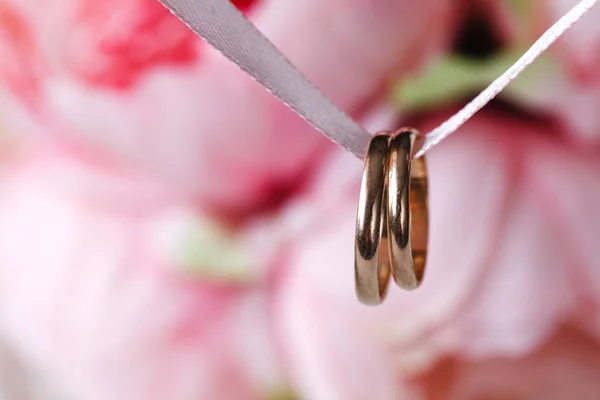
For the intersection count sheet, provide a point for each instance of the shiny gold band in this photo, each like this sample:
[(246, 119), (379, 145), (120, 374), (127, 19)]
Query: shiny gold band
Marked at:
[(371, 271), (393, 200), (407, 210)]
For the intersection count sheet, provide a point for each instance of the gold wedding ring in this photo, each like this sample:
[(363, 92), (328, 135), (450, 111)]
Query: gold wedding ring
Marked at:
[(371, 271), (392, 211), (407, 210)]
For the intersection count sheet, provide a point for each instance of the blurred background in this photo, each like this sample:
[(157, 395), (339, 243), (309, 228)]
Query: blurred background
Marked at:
[(168, 230)]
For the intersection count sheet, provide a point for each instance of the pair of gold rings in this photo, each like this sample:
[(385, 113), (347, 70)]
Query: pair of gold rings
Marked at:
[(392, 213)]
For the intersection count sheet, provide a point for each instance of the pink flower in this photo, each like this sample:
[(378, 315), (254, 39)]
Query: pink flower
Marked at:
[(174, 232), (512, 258), (139, 114), (130, 80), (95, 298)]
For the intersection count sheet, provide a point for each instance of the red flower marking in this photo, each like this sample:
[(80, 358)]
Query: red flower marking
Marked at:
[(244, 5), (114, 41)]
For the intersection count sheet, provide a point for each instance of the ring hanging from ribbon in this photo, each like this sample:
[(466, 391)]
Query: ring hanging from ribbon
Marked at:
[(391, 212)]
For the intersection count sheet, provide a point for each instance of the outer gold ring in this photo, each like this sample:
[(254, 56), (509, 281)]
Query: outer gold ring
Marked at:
[(407, 219), (371, 266)]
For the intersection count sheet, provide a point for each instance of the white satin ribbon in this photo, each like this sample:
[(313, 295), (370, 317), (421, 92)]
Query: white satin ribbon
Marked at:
[(225, 28)]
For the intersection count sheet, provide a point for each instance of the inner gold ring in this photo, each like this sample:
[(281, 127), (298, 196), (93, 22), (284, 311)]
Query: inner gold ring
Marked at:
[(407, 210)]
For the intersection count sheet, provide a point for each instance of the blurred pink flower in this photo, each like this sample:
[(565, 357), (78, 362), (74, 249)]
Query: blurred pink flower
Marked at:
[(142, 107), (119, 281), (130, 80), (93, 293), (512, 257)]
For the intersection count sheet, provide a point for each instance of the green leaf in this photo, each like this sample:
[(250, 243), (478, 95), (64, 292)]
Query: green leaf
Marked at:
[(282, 394), (210, 251), (456, 78), (520, 8)]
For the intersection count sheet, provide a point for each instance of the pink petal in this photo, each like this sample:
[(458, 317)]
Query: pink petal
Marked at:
[(527, 289), (568, 183), (20, 52), (582, 41), (566, 367), (88, 301)]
